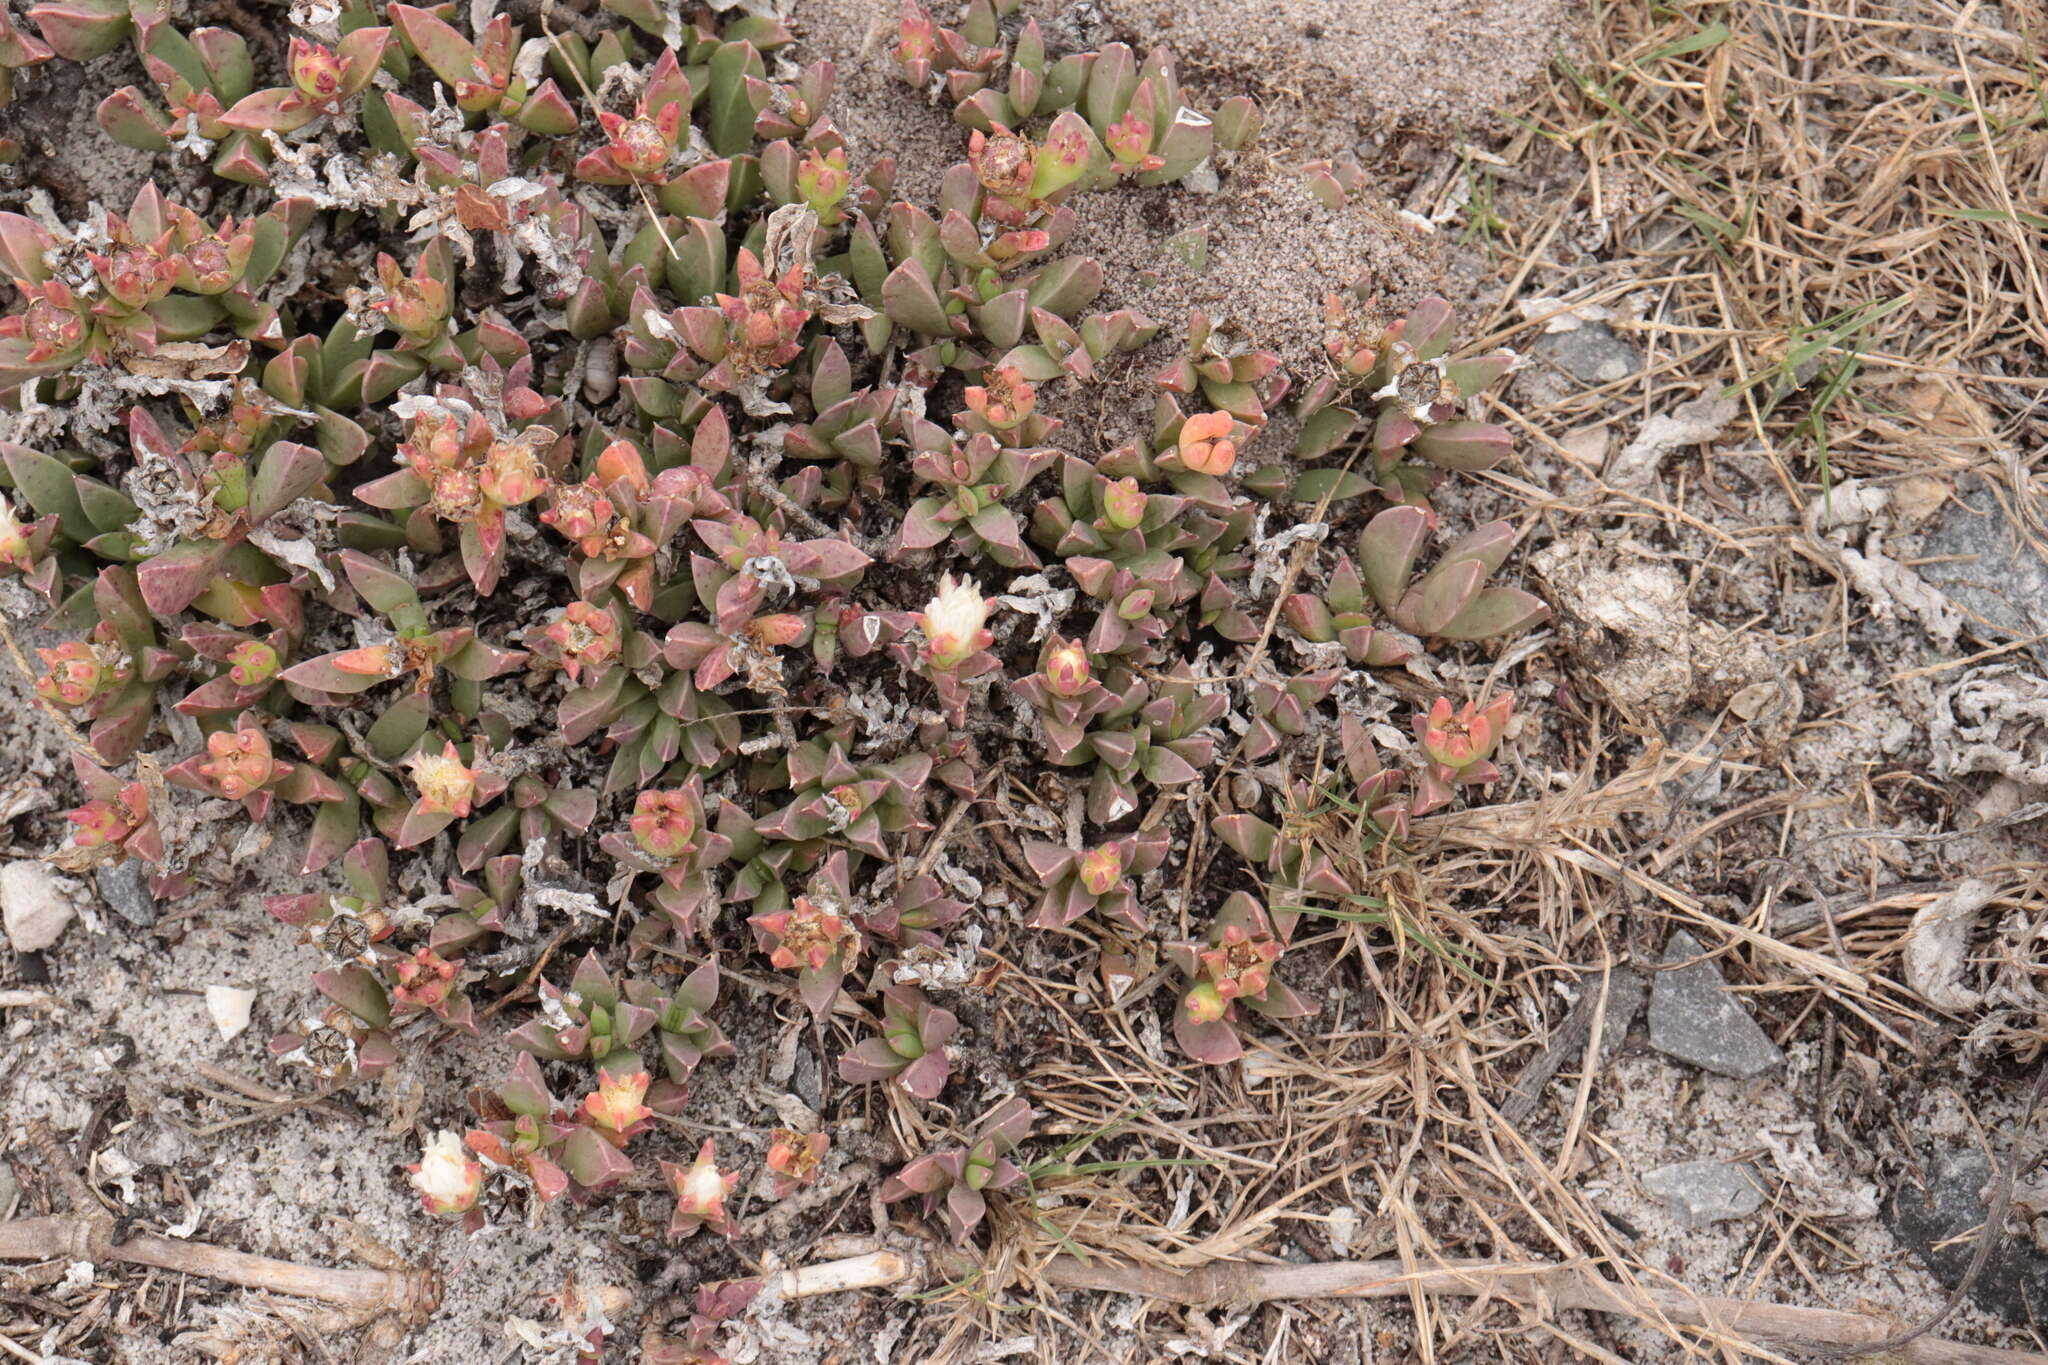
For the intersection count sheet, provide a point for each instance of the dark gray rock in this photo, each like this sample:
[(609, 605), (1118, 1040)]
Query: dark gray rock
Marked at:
[(1939, 1223), (1703, 1192), (804, 1081), (1989, 569), (1696, 1020), (1591, 353), (126, 893)]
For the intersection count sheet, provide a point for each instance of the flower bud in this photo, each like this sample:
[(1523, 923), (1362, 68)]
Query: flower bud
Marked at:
[(637, 146), (51, 330), (663, 823), (1205, 444), (241, 762), (1066, 670), (15, 552), (1203, 1004), (1123, 504), (1137, 605), (73, 674), (511, 475), (448, 1181), (253, 662), (1101, 870), (315, 70)]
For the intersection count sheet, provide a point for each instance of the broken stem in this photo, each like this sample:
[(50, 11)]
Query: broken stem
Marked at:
[(413, 1293)]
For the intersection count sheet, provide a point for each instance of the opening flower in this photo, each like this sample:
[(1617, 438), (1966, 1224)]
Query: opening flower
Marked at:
[(700, 1189), (615, 1105), (954, 622), (446, 787), (448, 1181), (663, 823)]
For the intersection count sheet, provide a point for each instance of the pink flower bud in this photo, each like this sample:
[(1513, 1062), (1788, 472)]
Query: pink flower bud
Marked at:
[(1205, 444), (252, 662), (1066, 670), (241, 762), (663, 823), (1101, 870), (315, 70), (74, 674), (510, 474), (1204, 1005)]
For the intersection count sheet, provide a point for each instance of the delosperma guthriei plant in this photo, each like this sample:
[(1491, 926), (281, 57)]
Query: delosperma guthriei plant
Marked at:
[(687, 535)]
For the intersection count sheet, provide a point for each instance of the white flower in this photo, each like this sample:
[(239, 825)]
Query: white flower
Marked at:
[(953, 623), (448, 1181)]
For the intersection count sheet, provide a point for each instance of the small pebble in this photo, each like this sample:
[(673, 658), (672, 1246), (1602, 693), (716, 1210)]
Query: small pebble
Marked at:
[(33, 905)]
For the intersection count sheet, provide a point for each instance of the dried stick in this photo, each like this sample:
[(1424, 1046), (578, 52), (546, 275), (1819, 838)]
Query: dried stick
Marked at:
[(1539, 1282), (414, 1293), (90, 1237)]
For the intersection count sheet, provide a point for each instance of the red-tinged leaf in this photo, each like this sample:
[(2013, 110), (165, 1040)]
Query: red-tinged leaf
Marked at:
[(1496, 611), (450, 55), (286, 473), (356, 990), (334, 825), (1387, 549), (133, 121), (871, 1060), (1047, 860), (323, 674), (276, 110), (1214, 1043), (1430, 328), (1435, 602), (910, 301), (547, 112), (171, 580), (593, 1162), (477, 661), (698, 192), (306, 785), (360, 50), (396, 491), (416, 826), (385, 589), (1165, 768), (1469, 446), (1252, 838), (575, 808), (926, 1076)]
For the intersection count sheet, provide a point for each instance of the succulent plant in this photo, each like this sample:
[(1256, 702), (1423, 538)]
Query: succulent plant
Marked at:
[(663, 441), (957, 1179), (1231, 972), (911, 1047)]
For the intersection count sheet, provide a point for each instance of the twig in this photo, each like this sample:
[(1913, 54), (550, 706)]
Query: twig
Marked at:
[(90, 1237), (413, 1293), (1553, 1286)]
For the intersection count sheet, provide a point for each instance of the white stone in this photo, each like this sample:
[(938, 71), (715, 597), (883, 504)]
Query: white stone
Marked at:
[(229, 1006), (33, 905)]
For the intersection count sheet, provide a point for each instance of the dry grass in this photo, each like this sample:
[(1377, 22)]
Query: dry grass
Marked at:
[(1835, 210)]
